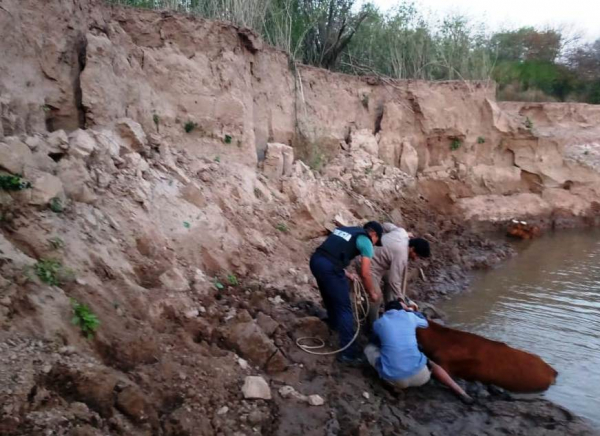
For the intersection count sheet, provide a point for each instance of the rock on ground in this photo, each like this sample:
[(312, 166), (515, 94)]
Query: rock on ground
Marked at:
[(256, 388)]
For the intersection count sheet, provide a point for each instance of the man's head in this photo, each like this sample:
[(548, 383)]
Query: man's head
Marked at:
[(375, 231), (393, 305), (418, 247)]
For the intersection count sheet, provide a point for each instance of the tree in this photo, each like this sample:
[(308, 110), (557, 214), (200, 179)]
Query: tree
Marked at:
[(332, 24), (526, 44)]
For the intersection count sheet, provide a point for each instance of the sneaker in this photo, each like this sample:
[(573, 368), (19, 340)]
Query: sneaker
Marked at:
[(351, 361)]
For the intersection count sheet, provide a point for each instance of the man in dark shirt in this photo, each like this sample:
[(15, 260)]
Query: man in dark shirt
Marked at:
[(328, 265)]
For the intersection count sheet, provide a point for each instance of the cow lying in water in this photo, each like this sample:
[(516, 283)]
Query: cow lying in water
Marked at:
[(475, 358), (522, 230)]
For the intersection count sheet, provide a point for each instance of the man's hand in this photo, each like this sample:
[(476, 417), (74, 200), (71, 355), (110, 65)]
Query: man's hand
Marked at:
[(375, 296), (405, 306), (351, 276)]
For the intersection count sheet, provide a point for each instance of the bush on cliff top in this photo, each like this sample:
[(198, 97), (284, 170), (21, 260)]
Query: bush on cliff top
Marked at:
[(358, 38)]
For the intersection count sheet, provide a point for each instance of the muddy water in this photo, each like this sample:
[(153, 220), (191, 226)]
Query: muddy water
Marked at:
[(546, 300)]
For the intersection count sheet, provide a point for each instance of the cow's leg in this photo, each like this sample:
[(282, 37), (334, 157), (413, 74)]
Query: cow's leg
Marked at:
[(440, 374)]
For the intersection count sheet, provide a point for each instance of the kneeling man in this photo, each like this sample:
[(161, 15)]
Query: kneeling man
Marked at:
[(396, 356)]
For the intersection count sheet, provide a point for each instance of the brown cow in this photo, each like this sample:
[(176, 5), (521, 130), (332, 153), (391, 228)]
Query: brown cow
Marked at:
[(475, 358), (522, 230)]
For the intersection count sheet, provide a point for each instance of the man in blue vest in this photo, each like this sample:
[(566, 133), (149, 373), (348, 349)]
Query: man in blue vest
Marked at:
[(328, 265)]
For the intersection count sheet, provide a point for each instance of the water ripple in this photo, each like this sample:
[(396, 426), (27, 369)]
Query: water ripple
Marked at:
[(545, 301)]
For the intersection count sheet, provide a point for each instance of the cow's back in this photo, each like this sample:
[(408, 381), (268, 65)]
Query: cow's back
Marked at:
[(474, 358)]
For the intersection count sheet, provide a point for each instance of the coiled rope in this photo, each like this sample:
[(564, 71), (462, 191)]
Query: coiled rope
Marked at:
[(360, 311)]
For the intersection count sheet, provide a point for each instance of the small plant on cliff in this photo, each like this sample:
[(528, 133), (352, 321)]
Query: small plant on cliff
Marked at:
[(217, 159), (218, 284), (227, 139), (156, 120), (56, 243), (481, 140), (455, 144), (365, 101), (56, 205), (528, 123), (189, 126), (52, 272), (13, 183), (84, 318), (232, 280), (317, 161), (282, 227)]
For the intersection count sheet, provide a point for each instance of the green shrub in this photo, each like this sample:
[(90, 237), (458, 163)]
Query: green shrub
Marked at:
[(56, 205), (455, 144), (218, 284), (232, 280), (227, 139), (13, 183), (528, 123), (282, 227), (480, 140), (189, 126), (85, 319), (52, 272)]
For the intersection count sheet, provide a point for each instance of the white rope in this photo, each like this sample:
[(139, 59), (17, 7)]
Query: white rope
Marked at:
[(360, 313)]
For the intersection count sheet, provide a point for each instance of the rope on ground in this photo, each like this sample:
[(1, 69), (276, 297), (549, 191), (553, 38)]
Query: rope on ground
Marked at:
[(360, 313)]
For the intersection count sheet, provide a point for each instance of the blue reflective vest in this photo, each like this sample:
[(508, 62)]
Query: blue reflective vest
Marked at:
[(340, 245)]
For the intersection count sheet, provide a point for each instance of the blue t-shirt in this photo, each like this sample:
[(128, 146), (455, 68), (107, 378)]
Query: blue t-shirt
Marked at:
[(400, 356)]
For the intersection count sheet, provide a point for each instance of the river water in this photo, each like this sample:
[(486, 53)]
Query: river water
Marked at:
[(546, 301)]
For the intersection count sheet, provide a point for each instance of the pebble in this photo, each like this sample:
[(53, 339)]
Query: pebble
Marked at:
[(67, 351), (276, 300), (223, 410), (255, 417), (366, 395), (255, 387), (315, 400)]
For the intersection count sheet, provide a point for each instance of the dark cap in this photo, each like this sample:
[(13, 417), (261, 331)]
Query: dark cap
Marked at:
[(376, 227)]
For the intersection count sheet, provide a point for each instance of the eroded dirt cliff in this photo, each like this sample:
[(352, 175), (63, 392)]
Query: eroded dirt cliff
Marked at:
[(167, 193)]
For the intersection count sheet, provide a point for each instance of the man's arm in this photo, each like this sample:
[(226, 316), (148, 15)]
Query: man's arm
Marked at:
[(421, 320), (367, 279), (352, 270)]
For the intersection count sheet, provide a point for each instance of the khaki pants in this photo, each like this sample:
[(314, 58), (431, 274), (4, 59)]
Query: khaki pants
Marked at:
[(419, 379)]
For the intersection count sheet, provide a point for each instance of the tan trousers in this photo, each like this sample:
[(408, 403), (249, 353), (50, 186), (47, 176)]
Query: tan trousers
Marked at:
[(419, 379)]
